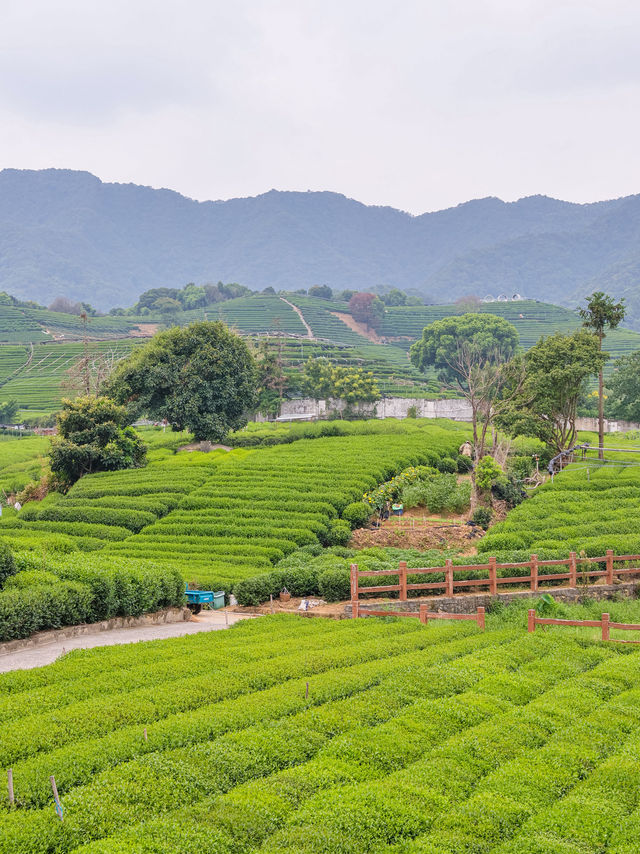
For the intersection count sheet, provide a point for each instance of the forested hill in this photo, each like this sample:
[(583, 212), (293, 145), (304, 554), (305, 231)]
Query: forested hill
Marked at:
[(67, 233)]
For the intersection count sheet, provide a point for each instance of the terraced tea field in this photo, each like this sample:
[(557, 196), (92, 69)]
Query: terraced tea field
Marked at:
[(221, 517), (36, 376), (531, 319), (312, 736), (590, 506)]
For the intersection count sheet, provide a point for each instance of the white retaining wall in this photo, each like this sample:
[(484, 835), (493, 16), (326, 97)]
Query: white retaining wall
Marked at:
[(389, 407)]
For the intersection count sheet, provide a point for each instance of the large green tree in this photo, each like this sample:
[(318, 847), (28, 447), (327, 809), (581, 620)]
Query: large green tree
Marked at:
[(201, 378), (93, 435), (601, 313), (478, 353), (557, 370), (624, 387)]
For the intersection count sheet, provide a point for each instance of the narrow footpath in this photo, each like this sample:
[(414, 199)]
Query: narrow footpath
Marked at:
[(207, 621), (301, 316)]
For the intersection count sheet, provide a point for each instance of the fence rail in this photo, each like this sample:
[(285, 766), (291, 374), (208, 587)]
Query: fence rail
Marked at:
[(424, 615), (492, 580), (604, 624)]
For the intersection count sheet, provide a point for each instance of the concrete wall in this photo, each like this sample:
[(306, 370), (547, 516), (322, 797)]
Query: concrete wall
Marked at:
[(390, 407), (609, 426)]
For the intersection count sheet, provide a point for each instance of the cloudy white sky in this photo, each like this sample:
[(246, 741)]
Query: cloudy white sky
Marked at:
[(419, 104)]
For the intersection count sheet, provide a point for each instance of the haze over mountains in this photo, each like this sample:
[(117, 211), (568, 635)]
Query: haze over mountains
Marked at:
[(64, 232)]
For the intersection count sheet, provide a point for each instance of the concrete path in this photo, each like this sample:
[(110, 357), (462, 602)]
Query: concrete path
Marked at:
[(207, 621)]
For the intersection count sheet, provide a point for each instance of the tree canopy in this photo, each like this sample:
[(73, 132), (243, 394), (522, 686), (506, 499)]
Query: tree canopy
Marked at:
[(477, 352), (323, 380), (556, 372), (93, 435), (624, 387), (201, 377), (367, 309)]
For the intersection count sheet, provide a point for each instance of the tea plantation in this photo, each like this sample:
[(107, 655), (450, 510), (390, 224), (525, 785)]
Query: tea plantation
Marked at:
[(590, 506), (223, 516), (291, 735)]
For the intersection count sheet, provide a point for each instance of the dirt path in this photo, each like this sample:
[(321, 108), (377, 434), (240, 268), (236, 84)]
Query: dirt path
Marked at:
[(310, 334), (207, 621), (360, 328)]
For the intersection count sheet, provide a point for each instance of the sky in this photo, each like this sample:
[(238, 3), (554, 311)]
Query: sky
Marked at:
[(419, 104)]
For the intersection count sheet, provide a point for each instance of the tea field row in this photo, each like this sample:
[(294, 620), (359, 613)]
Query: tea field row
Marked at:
[(314, 736)]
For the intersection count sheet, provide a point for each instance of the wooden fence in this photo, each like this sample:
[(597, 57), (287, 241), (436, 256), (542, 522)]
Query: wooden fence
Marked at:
[(424, 615), (492, 580), (604, 624)]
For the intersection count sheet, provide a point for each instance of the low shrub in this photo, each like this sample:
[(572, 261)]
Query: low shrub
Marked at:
[(464, 464), (482, 516), (338, 533), (334, 585), (7, 563), (47, 606), (30, 577), (357, 514), (447, 466)]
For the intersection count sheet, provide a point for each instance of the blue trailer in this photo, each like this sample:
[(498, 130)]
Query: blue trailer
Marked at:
[(197, 598)]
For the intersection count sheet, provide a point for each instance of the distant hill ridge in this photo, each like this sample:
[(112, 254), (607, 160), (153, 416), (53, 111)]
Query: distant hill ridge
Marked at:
[(65, 232)]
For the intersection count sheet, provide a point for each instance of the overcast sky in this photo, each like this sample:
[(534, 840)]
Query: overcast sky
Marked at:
[(419, 104)]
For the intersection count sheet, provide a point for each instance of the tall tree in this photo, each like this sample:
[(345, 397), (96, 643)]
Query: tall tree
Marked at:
[(475, 352), (557, 369), (201, 377), (601, 313)]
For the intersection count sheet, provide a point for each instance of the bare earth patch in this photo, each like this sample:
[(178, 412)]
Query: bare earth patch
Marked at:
[(360, 328)]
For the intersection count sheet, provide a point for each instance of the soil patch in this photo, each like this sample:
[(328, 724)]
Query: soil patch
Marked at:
[(144, 330), (360, 328), (328, 609)]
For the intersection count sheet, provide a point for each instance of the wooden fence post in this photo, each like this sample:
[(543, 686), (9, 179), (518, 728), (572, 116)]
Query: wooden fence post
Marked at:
[(56, 799), (480, 617), (609, 575), (402, 573), (493, 578), (573, 570), (10, 785), (354, 590), (423, 614), (531, 624), (534, 572), (449, 576), (605, 627)]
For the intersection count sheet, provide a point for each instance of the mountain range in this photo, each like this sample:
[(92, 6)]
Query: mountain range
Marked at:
[(66, 233)]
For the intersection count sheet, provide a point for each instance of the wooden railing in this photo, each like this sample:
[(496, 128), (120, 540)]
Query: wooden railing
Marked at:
[(424, 615), (604, 624), (492, 580)]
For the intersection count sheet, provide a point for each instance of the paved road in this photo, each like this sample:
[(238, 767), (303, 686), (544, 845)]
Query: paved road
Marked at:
[(207, 621)]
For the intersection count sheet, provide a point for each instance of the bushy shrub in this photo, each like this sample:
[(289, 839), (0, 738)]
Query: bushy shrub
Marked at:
[(48, 606), (357, 514), (339, 533), (7, 563), (447, 466), (334, 585), (29, 578), (521, 467), (487, 471), (464, 463), (482, 516), (506, 489)]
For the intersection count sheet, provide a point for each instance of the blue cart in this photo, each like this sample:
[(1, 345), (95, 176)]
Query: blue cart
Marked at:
[(197, 598)]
